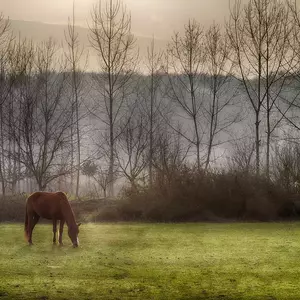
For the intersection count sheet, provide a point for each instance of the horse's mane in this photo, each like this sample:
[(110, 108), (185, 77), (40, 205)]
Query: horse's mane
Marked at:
[(68, 209)]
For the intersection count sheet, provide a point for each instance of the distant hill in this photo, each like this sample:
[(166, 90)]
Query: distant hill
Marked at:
[(38, 32)]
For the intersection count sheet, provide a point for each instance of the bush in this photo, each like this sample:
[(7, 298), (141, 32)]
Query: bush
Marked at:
[(187, 195), (193, 196), (12, 208)]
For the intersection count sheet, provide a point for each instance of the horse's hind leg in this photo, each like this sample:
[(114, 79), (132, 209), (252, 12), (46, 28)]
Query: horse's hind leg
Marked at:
[(61, 229), (54, 231)]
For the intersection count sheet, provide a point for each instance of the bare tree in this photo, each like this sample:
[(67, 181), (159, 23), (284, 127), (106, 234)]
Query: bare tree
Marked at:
[(259, 34), (101, 177), (110, 36), (291, 100), (185, 63), (5, 87), (152, 104), (242, 156), (132, 146), (74, 55), (286, 165), (220, 108), (171, 154), (99, 173), (43, 133), (19, 59)]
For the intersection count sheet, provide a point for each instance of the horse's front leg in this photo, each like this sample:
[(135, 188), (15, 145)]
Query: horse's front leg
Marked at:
[(54, 231), (30, 228), (61, 229), (32, 221)]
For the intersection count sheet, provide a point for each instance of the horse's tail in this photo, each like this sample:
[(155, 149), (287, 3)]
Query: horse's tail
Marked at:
[(26, 224)]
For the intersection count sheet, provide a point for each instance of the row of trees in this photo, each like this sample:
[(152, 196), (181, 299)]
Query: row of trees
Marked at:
[(210, 88)]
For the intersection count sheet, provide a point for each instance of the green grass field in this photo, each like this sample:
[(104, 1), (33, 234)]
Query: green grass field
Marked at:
[(153, 261)]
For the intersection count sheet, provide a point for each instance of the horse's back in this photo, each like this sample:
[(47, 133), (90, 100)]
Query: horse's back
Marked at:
[(47, 205)]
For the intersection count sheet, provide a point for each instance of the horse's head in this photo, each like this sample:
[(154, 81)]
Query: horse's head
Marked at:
[(73, 234)]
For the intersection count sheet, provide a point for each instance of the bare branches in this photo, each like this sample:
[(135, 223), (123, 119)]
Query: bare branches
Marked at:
[(132, 145), (260, 34), (152, 100), (44, 117), (74, 55), (220, 108), (111, 38), (186, 56)]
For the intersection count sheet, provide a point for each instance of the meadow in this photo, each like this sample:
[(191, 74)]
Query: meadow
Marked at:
[(153, 261)]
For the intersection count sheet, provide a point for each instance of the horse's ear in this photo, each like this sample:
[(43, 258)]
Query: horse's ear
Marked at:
[(78, 224)]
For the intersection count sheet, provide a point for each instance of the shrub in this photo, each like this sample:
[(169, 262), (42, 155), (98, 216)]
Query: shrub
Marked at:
[(12, 208), (192, 196)]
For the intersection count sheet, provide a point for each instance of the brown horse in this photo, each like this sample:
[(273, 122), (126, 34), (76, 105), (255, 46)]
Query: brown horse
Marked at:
[(51, 206)]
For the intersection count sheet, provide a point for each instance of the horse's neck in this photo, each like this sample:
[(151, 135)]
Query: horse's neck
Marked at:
[(69, 215)]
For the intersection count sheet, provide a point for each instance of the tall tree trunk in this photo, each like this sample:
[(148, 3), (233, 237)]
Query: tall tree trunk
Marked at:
[(257, 144), (72, 156), (212, 125), (111, 163), (112, 39), (78, 153), (197, 143), (151, 132), (2, 167)]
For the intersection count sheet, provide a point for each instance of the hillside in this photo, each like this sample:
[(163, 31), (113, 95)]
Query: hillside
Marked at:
[(39, 32)]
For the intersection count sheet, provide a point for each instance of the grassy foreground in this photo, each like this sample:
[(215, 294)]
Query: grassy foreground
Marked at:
[(153, 261)]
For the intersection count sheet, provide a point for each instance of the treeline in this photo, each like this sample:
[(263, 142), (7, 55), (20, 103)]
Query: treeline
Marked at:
[(216, 109)]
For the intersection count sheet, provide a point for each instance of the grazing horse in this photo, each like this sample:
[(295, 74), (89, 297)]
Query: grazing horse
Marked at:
[(51, 206)]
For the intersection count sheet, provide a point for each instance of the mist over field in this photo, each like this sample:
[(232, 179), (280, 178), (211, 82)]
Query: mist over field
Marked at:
[(114, 101), (149, 149)]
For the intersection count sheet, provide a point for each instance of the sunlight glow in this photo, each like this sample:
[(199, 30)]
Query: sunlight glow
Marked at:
[(149, 17)]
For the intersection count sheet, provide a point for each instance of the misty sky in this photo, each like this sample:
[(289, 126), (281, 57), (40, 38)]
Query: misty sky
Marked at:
[(158, 17)]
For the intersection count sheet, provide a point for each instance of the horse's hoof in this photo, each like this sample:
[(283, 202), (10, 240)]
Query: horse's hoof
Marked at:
[(30, 244), (61, 244)]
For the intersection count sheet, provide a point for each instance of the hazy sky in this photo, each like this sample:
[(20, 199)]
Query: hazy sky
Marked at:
[(159, 17)]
